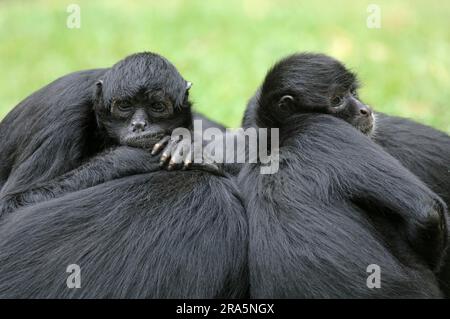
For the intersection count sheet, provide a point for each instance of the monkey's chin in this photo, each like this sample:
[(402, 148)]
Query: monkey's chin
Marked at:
[(143, 140), (365, 125), (366, 129)]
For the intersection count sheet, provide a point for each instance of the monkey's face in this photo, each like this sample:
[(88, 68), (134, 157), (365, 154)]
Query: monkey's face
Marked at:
[(141, 99), (143, 119), (343, 103), (347, 106)]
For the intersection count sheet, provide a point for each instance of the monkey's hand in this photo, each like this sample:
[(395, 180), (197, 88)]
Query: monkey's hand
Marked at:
[(179, 153), (430, 235)]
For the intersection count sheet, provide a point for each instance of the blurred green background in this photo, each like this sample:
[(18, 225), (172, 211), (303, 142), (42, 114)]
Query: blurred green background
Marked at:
[(225, 47)]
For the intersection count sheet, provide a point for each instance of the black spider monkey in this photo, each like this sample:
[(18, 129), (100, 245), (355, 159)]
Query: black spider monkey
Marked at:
[(136, 231), (423, 150), (339, 202), (138, 102)]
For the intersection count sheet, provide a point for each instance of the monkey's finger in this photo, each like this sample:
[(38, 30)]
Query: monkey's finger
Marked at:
[(179, 153), (188, 160), (158, 146), (167, 153)]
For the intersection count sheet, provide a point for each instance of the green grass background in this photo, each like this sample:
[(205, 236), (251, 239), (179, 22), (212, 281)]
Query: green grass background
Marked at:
[(225, 47)]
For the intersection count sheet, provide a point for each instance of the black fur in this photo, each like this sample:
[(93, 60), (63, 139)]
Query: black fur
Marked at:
[(50, 132), (67, 122), (338, 203), (421, 149), (425, 152), (311, 78), (153, 235), (208, 123), (135, 231), (313, 83)]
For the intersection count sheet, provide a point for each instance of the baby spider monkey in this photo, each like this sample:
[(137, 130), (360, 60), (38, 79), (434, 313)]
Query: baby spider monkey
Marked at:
[(314, 83), (104, 118)]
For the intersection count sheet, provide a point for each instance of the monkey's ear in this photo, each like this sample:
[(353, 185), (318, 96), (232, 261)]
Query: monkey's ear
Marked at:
[(188, 85), (285, 100), (98, 88)]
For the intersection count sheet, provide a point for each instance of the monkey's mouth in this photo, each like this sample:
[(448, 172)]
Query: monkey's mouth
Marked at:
[(143, 140), (366, 129), (366, 126)]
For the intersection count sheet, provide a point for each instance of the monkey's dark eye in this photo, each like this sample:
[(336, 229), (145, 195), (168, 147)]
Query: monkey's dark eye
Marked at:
[(123, 107), (337, 101), (158, 107)]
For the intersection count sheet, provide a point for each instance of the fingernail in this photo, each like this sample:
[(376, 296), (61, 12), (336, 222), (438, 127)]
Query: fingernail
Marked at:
[(155, 148)]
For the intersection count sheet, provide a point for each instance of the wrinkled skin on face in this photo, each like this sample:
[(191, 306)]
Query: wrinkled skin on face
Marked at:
[(142, 99), (314, 83)]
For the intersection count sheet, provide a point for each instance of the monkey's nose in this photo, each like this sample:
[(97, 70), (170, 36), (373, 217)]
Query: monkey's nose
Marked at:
[(138, 126), (365, 110)]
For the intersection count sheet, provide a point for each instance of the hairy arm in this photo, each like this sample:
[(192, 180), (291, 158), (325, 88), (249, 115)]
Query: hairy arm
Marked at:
[(47, 134), (364, 173), (113, 164)]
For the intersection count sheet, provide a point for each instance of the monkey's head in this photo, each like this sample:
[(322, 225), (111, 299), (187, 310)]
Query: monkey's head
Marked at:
[(140, 99), (314, 83)]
